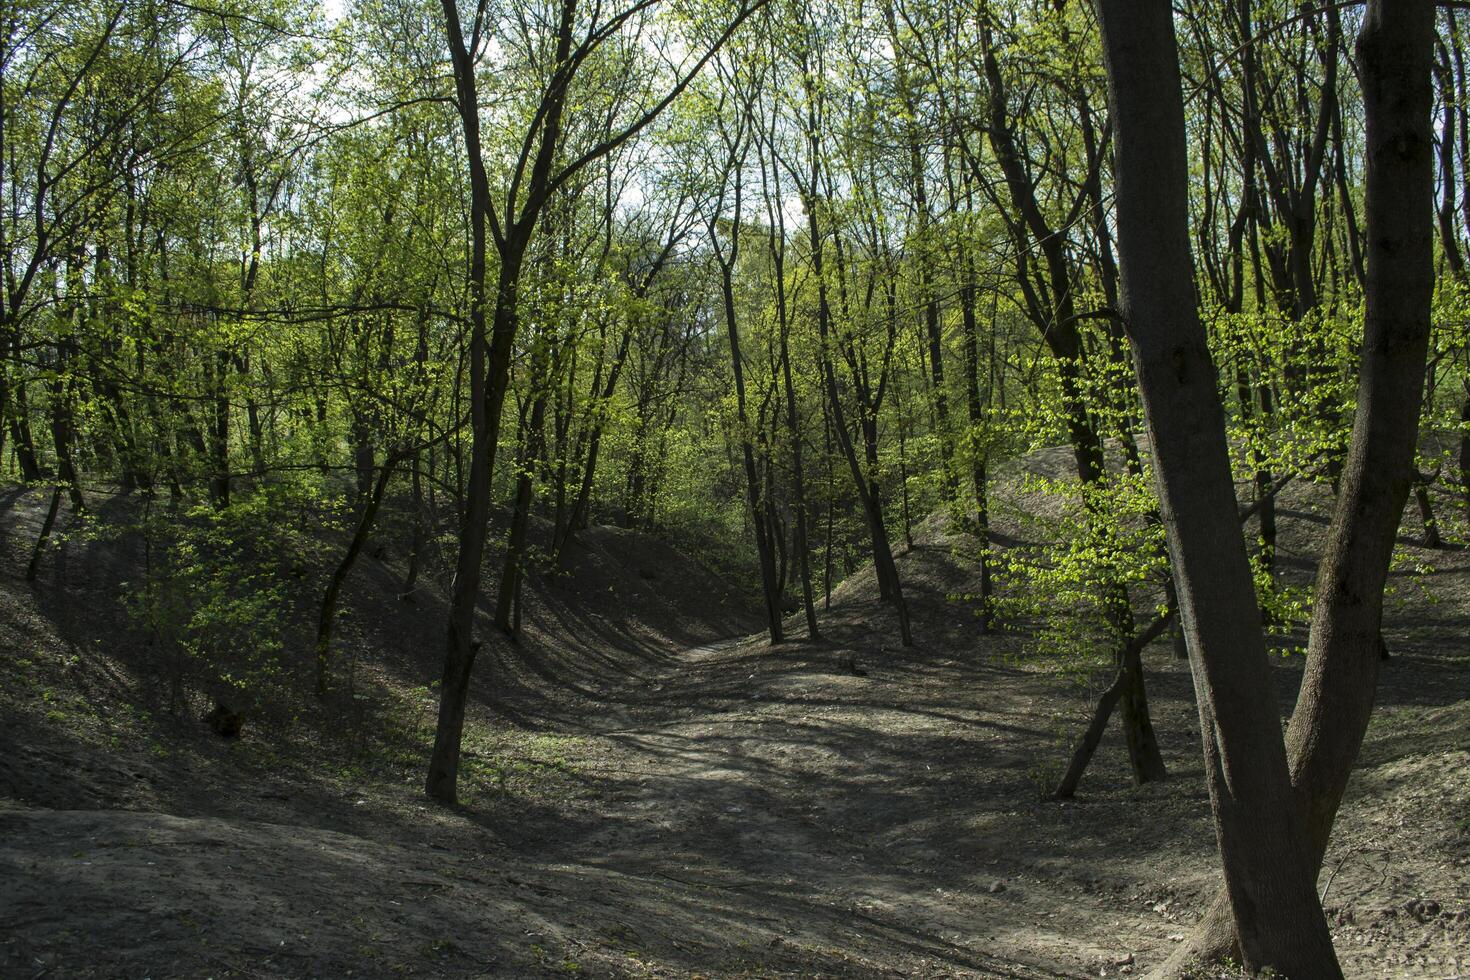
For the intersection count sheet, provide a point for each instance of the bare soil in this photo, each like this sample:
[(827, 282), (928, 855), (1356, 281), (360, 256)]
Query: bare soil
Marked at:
[(652, 791)]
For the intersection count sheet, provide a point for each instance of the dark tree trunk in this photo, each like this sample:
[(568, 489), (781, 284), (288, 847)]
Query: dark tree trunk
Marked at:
[(364, 461), (1345, 648), (61, 433), (24, 442), (34, 566), (1426, 514), (1131, 665), (1267, 871), (219, 429), (327, 618), (507, 600)]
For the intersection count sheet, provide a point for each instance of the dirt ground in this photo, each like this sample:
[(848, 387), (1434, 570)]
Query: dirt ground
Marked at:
[(650, 791)]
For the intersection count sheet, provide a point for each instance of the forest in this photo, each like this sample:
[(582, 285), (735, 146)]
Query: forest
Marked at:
[(735, 488)]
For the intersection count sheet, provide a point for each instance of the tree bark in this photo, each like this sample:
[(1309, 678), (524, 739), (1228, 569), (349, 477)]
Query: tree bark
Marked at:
[(33, 568), (328, 615), (1262, 848), (512, 574), (1344, 651), (442, 780)]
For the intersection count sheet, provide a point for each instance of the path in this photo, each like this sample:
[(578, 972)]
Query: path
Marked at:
[(743, 812)]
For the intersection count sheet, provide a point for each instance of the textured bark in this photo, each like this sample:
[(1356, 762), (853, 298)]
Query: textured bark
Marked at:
[(442, 780), (1394, 50), (1262, 848), (1345, 650)]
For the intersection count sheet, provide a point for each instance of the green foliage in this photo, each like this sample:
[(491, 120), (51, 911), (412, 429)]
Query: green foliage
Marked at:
[(1084, 545), (215, 596)]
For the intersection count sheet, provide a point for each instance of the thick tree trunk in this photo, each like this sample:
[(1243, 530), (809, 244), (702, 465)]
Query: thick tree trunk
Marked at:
[(1345, 648), (1267, 871), (1336, 699)]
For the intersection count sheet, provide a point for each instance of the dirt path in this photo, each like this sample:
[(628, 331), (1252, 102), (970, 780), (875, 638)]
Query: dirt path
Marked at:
[(746, 812), (840, 809), (741, 812)]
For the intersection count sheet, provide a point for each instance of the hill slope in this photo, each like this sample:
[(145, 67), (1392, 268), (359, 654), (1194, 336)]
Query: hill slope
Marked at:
[(646, 799)]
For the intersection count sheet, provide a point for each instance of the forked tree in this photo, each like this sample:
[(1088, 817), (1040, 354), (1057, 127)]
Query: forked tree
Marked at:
[(1272, 821)]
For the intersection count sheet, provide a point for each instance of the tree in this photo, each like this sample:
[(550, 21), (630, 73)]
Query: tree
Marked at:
[(1278, 919), (1395, 48), (540, 167)]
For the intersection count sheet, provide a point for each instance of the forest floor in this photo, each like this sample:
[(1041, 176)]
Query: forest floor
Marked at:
[(652, 791)]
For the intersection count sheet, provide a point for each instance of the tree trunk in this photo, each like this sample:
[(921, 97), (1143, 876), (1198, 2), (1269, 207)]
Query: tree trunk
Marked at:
[(442, 780), (890, 589), (1131, 664), (487, 393), (507, 600), (1345, 649), (24, 442), (976, 409), (219, 429), (763, 532), (61, 433), (34, 566), (328, 615), (798, 483), (416, 539), (1426, 514), (1267, 871)]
